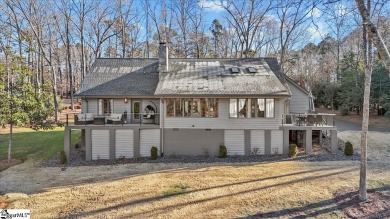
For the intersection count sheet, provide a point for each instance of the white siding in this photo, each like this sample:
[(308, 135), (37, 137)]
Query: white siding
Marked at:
[(299, 102), (234, 142), (223, 121), (277, 141), (90, 106), (148, 139), (83, 106), (258, 141), (120, 106), (124, 144), (100, 144)]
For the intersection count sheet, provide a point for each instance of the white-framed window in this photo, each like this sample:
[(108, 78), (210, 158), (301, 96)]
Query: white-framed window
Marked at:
[(192, 107), (105, 106), (252, 108)]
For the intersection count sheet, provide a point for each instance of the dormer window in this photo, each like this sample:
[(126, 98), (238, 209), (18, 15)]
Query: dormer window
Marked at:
[(235, 70), (252, 70)]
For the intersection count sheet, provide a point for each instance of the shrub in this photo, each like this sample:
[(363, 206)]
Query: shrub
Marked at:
[(153, 153), (222, 151), (63, 159), (348, 149), (292, 150), (344, 110)]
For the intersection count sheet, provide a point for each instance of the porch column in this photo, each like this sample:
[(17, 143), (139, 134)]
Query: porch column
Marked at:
[(333, 141), (82, 143), (320, 137), (88, 145), (67, 141), (309, 141), (286, 140)]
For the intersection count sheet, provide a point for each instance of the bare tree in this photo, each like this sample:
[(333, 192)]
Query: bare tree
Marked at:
[(292, 14), (370, 35), (246, 18)]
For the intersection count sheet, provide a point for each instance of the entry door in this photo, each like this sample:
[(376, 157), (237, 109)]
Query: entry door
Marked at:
[(135, 111)]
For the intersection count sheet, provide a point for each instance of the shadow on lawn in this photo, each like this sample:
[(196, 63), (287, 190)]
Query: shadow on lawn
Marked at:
[(322, 207), (168, 208)]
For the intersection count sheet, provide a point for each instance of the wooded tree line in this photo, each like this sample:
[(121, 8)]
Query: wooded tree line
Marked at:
[(58, 40)]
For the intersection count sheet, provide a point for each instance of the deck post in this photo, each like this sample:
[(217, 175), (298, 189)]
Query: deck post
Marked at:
[(309, 141), (286, 140), (67, 141), (333, 141), (88, 145)]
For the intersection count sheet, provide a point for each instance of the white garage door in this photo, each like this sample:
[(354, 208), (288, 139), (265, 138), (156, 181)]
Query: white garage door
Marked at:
[(234, 142), (257, 142), (276, 142), (100, 144), (148, 139), (124, 144)]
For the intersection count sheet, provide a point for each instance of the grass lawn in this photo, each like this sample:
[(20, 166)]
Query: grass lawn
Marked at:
[(34, 145), (284, 189)]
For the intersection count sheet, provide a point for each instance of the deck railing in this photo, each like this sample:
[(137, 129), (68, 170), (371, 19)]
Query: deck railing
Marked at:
[(128, 118), (310, 119)]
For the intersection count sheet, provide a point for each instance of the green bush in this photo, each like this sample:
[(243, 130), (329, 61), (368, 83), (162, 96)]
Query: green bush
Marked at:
[(292, 150), (344, 110), (63, 159), (153, 153), (222, 151), (348, 149)]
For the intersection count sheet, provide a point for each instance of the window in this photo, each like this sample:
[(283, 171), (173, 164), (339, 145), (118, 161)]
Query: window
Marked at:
[(233, 108), (251, 108), (105, 106), (205, 107), (261, 107), (178, 107), (187, 107), (196, 109), (213, 107), (170, 107), (242, 108), (192, 107), (269, 108)]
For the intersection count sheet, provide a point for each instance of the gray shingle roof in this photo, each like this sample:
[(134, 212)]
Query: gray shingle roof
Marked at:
[(118, 77), (213, 77), (140, 77)]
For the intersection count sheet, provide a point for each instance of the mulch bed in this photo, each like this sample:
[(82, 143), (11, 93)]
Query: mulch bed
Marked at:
[(4, 164), (377, 205)]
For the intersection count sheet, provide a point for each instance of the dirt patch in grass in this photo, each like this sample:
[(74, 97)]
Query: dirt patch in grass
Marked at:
[(377, 205), (4, 164)]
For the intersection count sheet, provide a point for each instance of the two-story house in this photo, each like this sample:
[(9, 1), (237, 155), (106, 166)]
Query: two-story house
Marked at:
[(191, 107)]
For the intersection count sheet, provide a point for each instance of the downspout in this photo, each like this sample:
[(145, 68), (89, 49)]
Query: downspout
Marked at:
[(162, 125)]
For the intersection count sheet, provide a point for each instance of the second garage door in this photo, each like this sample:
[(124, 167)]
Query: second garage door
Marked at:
[(124, 144), (234, 142), (100, 144)]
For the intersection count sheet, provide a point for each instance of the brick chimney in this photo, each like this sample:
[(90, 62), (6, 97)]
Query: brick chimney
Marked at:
[(163, 54)]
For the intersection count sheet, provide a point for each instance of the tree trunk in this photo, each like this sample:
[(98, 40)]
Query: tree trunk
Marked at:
[(372, 31), (10, 141), (367, 43)]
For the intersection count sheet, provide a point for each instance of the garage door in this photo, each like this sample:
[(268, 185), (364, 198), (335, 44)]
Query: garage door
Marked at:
[(124, 144), (276, 142), (257, 142), (234, 142), (100, 144), (148, 139)]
